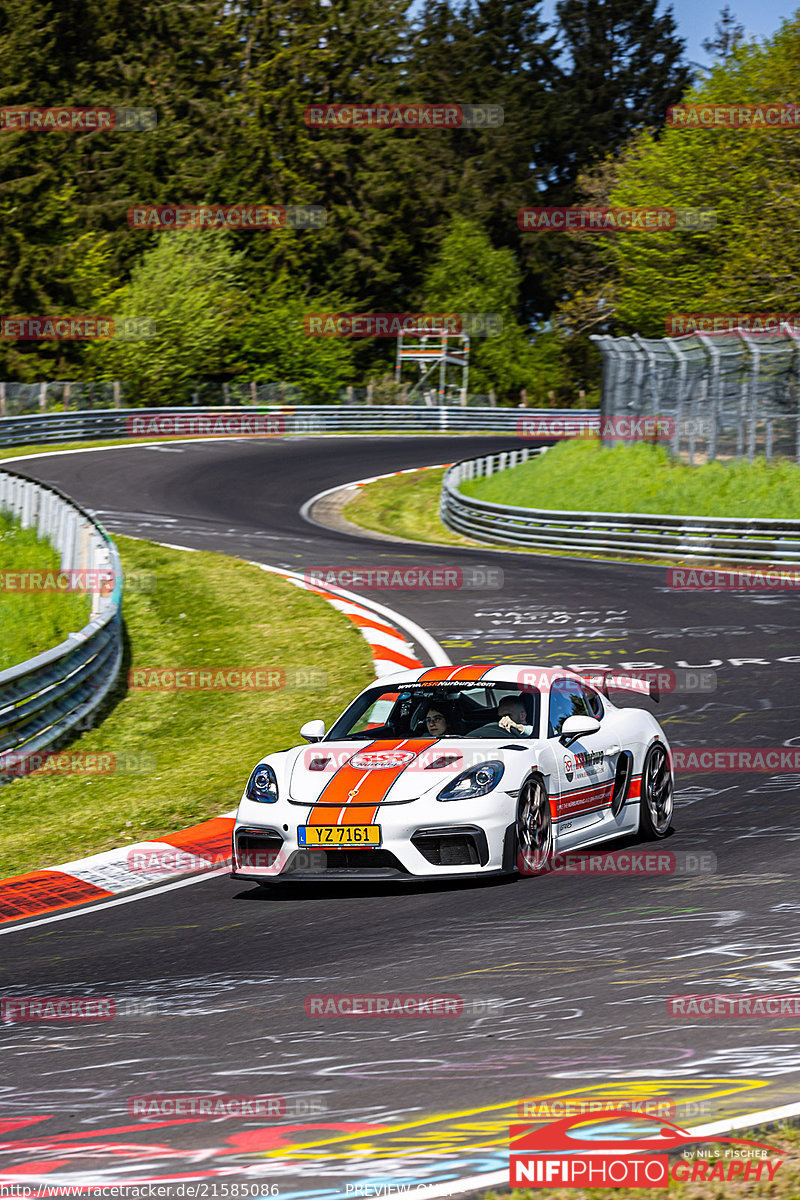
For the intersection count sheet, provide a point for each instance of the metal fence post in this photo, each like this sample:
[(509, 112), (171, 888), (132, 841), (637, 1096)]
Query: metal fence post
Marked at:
[(712, 393), (752, 398), (682, 365)]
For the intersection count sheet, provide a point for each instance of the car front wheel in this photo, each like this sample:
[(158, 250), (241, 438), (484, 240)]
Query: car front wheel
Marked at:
[(534, 828)]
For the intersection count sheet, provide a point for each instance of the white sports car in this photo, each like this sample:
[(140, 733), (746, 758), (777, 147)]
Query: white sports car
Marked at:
[(457, 771)]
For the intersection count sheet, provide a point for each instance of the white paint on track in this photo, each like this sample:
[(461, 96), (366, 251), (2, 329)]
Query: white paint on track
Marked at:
[(305, 511), (93, 907), (424, 640)]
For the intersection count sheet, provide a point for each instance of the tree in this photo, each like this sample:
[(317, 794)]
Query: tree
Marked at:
[(728, 35), (470, 276), (750, 179), (188, 286), (61, 187), (274, 345), (624, 68)]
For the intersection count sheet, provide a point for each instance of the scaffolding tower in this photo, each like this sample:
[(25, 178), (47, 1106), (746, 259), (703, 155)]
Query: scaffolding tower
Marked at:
[(431, 349)]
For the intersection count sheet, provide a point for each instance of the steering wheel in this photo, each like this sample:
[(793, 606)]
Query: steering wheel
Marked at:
[(491, 726)]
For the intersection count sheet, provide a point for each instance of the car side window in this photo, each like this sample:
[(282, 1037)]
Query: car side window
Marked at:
[(594, 703), (566, 700)]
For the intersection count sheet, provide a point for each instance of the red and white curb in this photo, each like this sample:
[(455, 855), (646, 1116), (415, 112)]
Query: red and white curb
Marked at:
[(203, 848), (377, 624)]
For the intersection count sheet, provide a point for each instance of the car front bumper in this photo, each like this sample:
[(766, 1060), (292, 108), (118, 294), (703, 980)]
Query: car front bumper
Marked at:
[(417, 842)]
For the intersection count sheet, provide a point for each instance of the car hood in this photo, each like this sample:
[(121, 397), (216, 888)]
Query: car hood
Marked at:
[(368, 774)]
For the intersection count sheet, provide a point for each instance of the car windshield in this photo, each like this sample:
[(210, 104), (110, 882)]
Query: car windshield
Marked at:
[(435, 711)]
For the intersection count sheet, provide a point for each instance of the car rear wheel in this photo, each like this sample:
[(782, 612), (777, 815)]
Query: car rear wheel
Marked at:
[(534, 828), (657, 802)]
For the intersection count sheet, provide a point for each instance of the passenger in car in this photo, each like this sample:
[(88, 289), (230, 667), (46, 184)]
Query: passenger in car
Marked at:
[(439, 721)]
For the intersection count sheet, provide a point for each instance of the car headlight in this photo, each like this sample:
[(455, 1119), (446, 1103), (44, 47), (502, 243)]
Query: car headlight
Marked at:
[(475, 781), (262, 785)]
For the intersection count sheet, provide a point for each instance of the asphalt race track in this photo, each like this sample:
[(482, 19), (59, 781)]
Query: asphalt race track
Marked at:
[(579, 968)]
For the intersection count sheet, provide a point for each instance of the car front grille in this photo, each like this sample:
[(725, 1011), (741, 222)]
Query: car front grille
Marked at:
[(452, 847)]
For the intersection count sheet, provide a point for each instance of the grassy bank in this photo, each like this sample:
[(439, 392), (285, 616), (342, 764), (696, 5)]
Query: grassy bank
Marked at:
[(583, 476), (32, 622), (187, 754), (405, 505)]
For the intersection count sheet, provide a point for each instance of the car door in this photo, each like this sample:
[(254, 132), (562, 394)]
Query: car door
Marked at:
[(586, 768)]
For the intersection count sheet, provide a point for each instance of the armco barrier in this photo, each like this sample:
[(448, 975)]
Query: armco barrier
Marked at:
[(641, 535), (45, 697), (308, 419)]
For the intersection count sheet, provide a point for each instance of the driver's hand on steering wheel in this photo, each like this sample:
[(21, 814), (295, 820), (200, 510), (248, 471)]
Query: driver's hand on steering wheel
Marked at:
[(507, 724)]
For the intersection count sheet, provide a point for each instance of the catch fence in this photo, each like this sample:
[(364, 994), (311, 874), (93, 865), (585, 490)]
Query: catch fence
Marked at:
[(721, 397)]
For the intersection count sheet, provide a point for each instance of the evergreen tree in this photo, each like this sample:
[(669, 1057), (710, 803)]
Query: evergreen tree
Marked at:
[(728, 34), (623, 68)]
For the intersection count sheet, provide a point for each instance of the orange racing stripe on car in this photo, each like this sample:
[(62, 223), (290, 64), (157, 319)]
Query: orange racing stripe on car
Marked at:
[(362, 786)]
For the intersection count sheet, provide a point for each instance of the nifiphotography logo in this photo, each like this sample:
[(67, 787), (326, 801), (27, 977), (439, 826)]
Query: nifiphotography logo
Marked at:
[(576, 1152)]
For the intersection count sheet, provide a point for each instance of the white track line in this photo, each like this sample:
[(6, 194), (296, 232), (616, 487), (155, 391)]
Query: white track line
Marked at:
[(305, 511), (435, 652), (86, 910)]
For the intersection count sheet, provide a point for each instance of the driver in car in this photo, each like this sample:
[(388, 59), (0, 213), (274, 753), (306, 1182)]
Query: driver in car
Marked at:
[(511, 717)]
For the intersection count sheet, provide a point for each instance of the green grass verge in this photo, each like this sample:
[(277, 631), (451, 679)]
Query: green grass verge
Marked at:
[(586, 477), (32, 622), (405, 505), (195, 748), (785, 1185)]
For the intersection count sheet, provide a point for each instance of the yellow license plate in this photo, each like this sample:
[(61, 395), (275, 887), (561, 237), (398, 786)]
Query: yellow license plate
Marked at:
[(339, 835)]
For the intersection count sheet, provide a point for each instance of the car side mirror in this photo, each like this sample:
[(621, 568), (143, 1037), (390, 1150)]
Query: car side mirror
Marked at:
[(575, 727), (313, 731)]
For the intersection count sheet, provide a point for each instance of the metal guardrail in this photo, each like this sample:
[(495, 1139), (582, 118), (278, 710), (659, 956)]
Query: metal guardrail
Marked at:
[(97, 424), (45, 697), (643, 535)]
